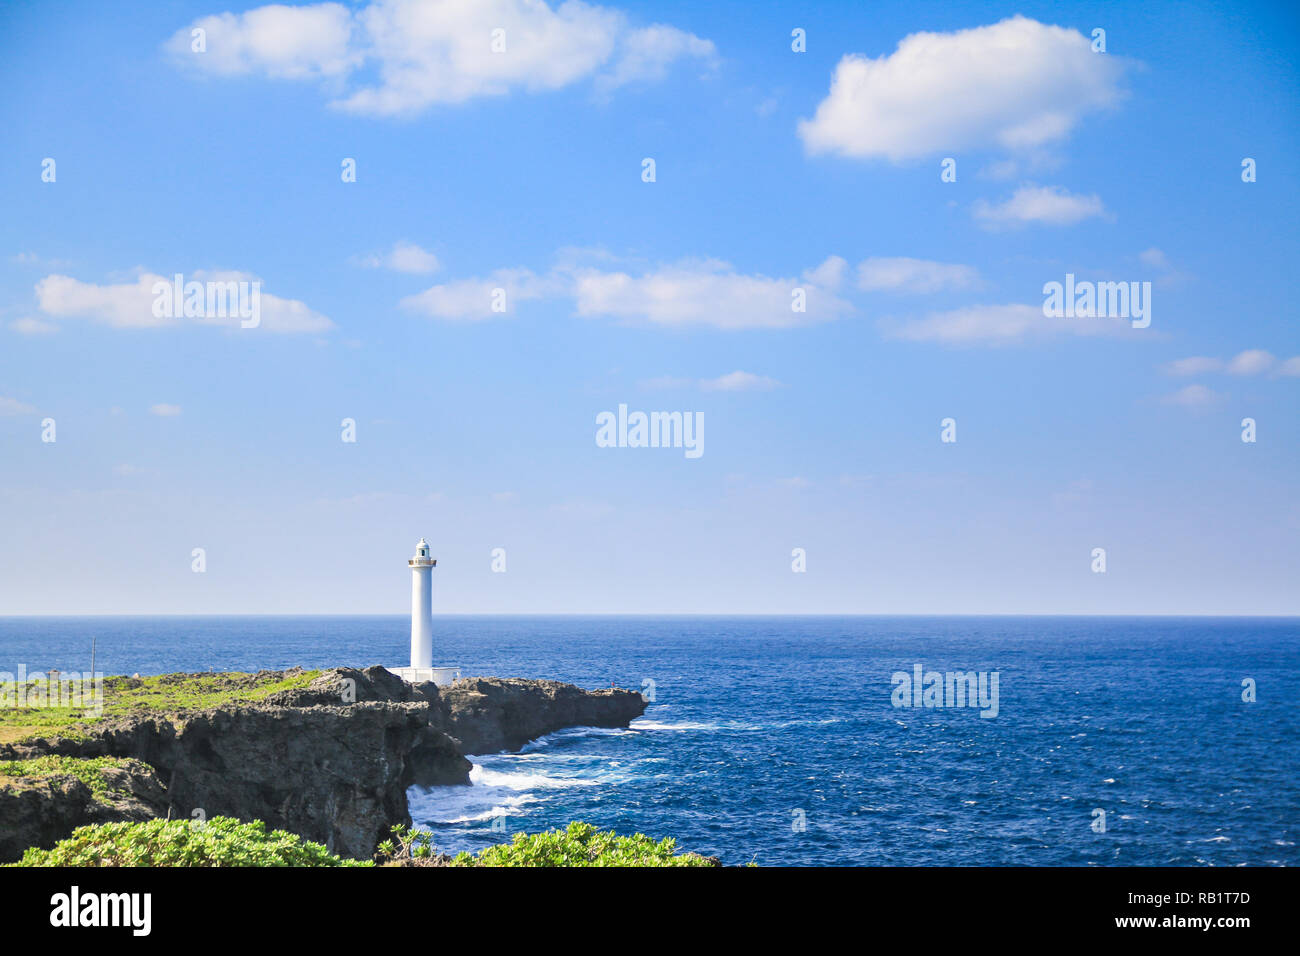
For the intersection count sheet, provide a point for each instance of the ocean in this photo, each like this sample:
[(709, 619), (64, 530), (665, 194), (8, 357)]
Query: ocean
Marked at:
[(777, 740)]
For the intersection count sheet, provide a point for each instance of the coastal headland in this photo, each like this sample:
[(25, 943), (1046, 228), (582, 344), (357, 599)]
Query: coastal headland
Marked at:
[(327, 755)]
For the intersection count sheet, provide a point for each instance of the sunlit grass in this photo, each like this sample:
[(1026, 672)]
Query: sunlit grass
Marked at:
[(163, 694)]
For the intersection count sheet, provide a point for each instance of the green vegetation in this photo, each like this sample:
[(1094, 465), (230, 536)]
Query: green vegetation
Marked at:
[(223, 841), (406, 844), (582, 845), (220, 841), (89, 770), (164, 694)]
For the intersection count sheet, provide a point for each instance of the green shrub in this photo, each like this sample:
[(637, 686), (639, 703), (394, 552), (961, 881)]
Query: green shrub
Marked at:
[(406, 844), (221, 841), (583, 845)]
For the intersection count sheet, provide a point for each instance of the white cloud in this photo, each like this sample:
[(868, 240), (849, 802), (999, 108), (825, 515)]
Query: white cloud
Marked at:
[(1052, 205), (1015, 84), (646, 54), (11, 408), (828, 275), (32, 259), (1155, 258), (1034, 162), (277, 314), (286, 42), (403, 257), (1251, 362), (1169, 274), (973, 324), (996, 325), (424, 53), (1195, 365), (739, 382), (163, 410), (474, 298), (901, 274), (1192, 396), (692, 292), (29, 326), (130, 305), (711, 293), (122, 305), (442, 53)]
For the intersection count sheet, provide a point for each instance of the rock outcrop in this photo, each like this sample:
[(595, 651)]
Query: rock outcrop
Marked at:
[(330, 761), (41, 810), (490, 714)]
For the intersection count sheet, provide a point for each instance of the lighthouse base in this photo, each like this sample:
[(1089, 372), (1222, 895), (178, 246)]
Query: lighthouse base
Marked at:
[(442, 676)]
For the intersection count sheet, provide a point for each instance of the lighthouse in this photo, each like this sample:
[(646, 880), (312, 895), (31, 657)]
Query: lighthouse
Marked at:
[(422, 606), (422, 669)]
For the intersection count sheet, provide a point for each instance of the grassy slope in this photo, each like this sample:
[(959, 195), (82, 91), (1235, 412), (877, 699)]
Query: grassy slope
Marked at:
[(166, 693)]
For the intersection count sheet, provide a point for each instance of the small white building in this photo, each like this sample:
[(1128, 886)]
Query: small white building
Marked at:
[(422, 669)]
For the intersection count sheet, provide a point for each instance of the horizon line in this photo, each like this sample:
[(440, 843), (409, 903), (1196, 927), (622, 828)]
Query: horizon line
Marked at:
[(669, 614)]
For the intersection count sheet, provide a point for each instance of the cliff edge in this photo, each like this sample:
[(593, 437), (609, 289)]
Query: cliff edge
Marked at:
[(329, 758)]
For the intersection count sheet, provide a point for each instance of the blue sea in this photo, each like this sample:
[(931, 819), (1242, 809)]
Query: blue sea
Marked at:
[(776, 739)]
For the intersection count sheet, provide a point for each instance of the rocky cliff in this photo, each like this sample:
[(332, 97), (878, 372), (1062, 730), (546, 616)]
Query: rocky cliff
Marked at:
[(489, 714), (330, 760), (43, 808)]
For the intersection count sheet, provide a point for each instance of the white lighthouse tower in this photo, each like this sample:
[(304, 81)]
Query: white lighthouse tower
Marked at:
[(422, 606), (422, 669)]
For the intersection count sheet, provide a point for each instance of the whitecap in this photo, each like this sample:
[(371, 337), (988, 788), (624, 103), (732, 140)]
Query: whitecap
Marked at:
[(680, 725), (573, 733), (508, 808), (445, 806), (520, 780)]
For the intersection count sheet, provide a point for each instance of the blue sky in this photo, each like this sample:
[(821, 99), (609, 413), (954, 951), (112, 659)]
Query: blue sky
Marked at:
[(774, 170)]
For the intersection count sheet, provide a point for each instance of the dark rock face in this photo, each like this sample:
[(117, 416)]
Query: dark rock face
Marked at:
[(41, 811), (489, 714), (331, 761), (336, 775), (345, 685)]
